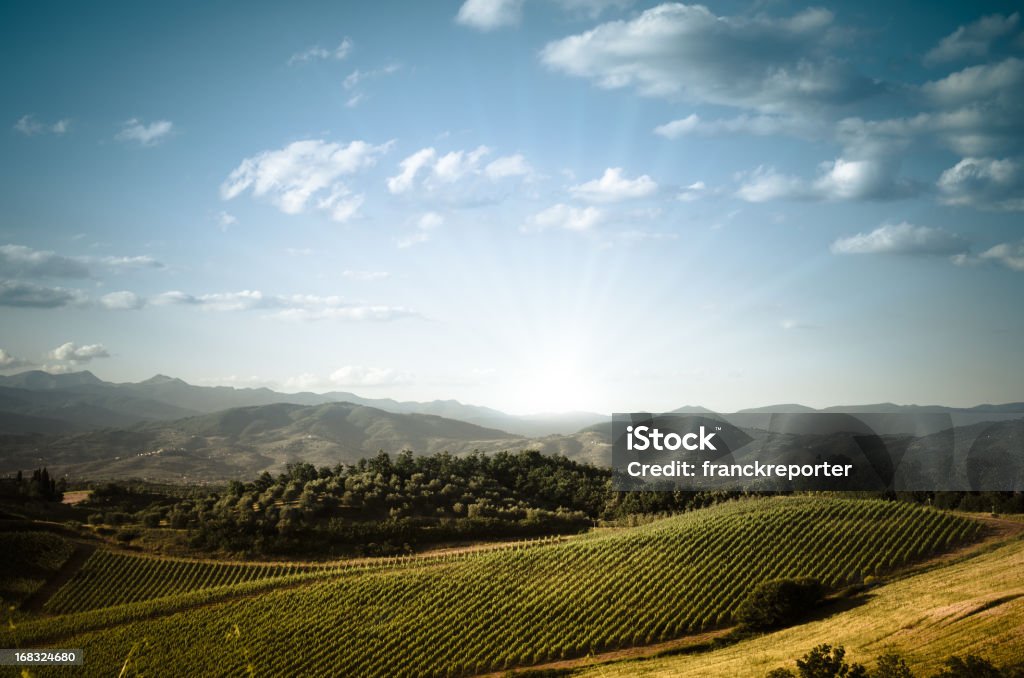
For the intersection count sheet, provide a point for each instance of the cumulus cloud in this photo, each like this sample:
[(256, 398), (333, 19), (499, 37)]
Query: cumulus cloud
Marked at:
[(145, 135), (75, 354), (458, 177), (317, 53), (973, 39), (487, 15), (304, 171), (358, 375), (977, 83), (9, 361), (614, 187), (122, 301), (285, 307), (902, 238), (1010, 255), (984, 183), (20, 294), (687, 51), (839, 179), (30, 126), (565, 217)]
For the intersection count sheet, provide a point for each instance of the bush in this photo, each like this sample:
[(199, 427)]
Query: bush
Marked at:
[(891, 666), (824, 661), (779, 602), (971, 666)]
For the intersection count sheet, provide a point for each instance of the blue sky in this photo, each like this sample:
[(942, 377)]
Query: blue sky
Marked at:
[(537, 206)]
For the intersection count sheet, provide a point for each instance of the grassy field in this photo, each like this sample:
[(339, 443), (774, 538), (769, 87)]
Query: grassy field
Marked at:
[(959, 606), (499, 609)]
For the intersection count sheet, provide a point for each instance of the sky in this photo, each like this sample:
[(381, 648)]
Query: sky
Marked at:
[(534, 205)]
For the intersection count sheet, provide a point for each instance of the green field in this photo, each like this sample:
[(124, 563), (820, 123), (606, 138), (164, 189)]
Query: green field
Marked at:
[(495, 609)]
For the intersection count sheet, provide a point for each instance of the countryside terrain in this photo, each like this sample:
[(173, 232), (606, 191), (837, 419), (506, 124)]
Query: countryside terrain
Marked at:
[(468, 612), (278, 538)]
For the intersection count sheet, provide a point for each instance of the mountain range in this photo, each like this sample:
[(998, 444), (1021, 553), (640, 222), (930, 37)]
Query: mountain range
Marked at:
[(168, 430)]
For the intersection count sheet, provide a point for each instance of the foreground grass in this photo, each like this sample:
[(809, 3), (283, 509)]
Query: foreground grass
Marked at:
[(974, 606)]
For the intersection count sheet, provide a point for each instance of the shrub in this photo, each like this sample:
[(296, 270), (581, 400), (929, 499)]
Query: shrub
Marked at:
[(779, 602)]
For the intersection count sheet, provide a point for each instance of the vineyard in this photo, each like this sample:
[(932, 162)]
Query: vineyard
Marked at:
[(485, 611), (110, 579)]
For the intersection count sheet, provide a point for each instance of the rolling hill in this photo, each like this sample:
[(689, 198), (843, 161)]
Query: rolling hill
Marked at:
[(497, 609)]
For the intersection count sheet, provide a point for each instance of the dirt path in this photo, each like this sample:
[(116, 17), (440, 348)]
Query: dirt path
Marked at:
[(37, 600)]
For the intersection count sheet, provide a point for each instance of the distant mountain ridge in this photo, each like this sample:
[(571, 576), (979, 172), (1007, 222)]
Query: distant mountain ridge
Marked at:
[(82, 401)]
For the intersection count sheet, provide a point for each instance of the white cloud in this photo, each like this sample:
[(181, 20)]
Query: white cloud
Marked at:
[(614, 187), (18, 261), (840, 179), (10, 362), (365, 276), (410, 166), (487, 15), (902, 238), (1010, 255), (30, 126), (226, 220), (285, 307), (341, 205), (565, 217), (755, 125), (508, 166), (454, 165), (132, 262), (145, 135), (358, 375), (765, 183), (354, 100), (75, 354), (357, 76), (973, 39), (19, 294), (457, 177), (292, 176), (682, 50), (974, 83), (317, 53), (424, 225), (694, 191), (984, 183), (122, 301)]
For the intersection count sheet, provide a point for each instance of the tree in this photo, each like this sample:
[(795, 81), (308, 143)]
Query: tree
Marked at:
[(778, 602), (824, 661), (891, 666), (971, 666)]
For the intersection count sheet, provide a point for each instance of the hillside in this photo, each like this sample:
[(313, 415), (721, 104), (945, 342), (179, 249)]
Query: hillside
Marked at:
[(242, 442), (972, 605), (31, 400), (512, 607)]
